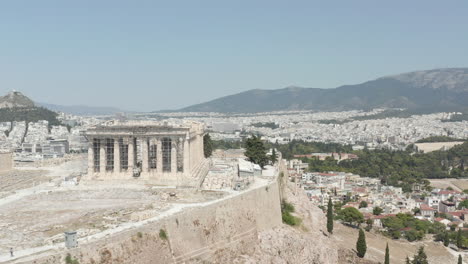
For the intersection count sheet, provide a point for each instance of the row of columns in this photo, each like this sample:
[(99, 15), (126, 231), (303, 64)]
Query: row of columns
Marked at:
[(145, 156)]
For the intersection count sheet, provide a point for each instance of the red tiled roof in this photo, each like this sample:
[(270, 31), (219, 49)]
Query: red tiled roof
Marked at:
[(457, 214), (426, 207), (448, 192), (359, 189)]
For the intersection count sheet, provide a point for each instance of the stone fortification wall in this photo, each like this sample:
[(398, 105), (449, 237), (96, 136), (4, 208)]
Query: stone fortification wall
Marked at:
[(6, 161), (214, 233)]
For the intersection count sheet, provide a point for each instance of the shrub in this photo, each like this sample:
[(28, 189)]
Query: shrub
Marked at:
[(70, 260), (287, 217), (162, 234)]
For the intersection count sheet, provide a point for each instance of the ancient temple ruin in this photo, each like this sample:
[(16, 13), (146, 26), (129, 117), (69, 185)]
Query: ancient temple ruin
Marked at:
[(159, 152)]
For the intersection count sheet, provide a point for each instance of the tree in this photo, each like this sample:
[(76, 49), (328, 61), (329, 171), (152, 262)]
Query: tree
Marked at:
[(274, 156), (387, 255), (459, 239), (207, 146), (407, 261), (255, 151), (369, 223), (463, 204), (420, 257), (361, 245), (460, 260), (351, 215), (363, 204), (446, 239), (377, 210), (330, 216)]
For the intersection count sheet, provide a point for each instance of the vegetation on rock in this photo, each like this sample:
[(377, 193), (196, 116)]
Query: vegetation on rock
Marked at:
[(288, 218)]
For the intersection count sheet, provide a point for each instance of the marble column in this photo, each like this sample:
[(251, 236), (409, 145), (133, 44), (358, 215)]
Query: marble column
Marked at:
[(131, 155), (116, 155), (144, 155), (159, 156), (102, 157), (186, 155), (91, 156), (174, 156)]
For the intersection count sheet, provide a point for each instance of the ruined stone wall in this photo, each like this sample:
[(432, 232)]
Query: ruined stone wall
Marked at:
[(6, 161), (213, 233)]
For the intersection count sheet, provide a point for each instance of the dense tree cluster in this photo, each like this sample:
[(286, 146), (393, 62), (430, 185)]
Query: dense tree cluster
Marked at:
[(438, 139), (29, 114), (298, 147), (411, 228), (396, 168), (401, 168)]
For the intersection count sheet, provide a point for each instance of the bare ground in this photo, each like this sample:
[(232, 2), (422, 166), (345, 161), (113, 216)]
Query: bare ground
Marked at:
[(346, 237), (456, 184)]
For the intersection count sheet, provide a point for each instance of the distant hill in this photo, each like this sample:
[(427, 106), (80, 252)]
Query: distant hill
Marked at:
[(17, 107), (439, 89), (29, 114), (15, 99), (83, 109)]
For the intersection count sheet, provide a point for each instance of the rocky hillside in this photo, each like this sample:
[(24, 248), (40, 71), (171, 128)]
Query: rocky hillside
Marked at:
[(455, 79), (17, 107), (15, 99), (438, 90), (308, 243)]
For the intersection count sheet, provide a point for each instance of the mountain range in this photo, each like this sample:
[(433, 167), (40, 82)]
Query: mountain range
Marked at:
[(438, 89)]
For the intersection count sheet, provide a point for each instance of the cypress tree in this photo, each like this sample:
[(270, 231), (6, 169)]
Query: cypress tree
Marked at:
[(459, 239), (274, 157), (207, 146), (446, 239), (330, 216), (387, 255), (407, 261), (361, 245), (420, 257), (460, 260)]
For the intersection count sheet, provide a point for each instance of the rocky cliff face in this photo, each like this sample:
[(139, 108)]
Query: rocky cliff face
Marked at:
[(305, 244), (15, 99)]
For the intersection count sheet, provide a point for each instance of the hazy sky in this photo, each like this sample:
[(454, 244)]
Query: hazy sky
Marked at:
[(151, 55)]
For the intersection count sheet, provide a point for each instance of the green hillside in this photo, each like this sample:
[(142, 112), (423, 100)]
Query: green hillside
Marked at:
[(30, 114)]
